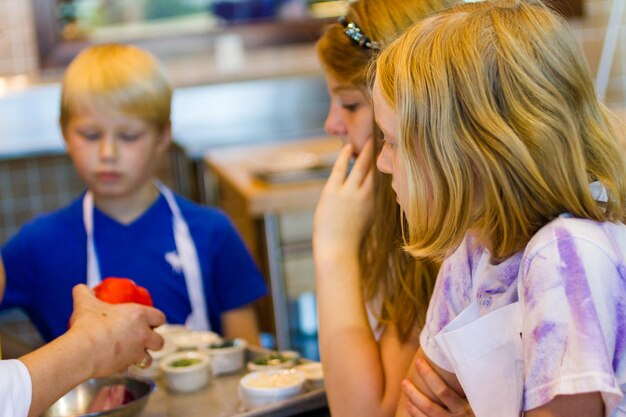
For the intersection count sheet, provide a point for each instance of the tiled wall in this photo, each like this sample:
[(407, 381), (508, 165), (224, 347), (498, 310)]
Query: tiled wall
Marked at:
[(37, 184), (30, 186), (18, 43)]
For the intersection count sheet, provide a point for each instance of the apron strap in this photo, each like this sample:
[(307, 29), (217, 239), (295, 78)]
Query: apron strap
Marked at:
[(93, 267), (198, 319)]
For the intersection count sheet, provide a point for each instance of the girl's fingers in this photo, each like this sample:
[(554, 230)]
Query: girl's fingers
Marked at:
[(338, 173), (413, 410), (363, 165), (368, 183), (438, 386), (424, 404)]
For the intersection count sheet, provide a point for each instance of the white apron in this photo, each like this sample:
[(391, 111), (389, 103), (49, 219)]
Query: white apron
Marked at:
[(487, 357), (185, 247)]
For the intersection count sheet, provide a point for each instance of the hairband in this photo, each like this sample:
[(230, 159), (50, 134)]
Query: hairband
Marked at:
[(358, 37)]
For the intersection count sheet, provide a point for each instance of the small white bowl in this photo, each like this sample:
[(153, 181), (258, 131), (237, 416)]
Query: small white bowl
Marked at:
[(228, 356), (266, 387), (195, 340), (153, 371), (186, 371), (166, 330), (314, 374), (278, 360)]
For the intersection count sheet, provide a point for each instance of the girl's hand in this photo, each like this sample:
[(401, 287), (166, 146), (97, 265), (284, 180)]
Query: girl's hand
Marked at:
[(345, 208), (419, 405)]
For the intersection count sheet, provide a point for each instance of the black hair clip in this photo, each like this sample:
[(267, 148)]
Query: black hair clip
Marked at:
[(358, 37)]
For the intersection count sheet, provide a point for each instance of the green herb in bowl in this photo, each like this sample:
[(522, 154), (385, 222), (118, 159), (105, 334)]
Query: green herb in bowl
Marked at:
[(271, 360), (224, 344), (275, 360), (180, 363)]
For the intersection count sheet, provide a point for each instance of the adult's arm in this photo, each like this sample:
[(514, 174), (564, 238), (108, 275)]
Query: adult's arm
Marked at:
[(103, 339)]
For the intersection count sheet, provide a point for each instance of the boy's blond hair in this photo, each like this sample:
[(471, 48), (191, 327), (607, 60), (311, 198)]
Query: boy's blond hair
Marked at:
[(499, 119), (117, 78), (401, 284)]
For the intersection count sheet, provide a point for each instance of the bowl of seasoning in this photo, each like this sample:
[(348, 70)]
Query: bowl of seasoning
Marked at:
[(314, 374), (227, 356), (195, 340), (265, 387), (153, 371), (186, 371), (276, 360)]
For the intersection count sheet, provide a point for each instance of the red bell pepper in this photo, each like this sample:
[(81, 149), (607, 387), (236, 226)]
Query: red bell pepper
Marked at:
[(115, 290)]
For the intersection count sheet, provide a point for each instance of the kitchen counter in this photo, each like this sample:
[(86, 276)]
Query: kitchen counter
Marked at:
[(275, 219), (220, 399)]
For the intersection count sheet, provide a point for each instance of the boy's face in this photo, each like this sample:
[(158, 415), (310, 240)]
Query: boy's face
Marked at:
[(350, 115), (113, 153)]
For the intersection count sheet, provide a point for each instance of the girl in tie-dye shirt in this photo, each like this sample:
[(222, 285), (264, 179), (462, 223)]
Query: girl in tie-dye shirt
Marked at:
[(505, 165)]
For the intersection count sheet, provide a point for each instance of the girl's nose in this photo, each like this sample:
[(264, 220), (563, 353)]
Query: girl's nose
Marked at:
[(383, 162), (334, 124)]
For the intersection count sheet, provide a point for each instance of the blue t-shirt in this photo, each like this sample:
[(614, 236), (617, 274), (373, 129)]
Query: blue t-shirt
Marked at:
[(48, 257)]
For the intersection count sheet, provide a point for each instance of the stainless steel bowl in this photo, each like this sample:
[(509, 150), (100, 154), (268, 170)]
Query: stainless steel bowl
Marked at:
[(76, 402)]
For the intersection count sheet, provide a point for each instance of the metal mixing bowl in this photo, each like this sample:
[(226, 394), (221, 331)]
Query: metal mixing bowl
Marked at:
[(76, 402)]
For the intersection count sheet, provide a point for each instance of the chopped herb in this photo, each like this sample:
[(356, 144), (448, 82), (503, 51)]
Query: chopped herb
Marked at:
[(271, 360), (224, 344), (179, 363)]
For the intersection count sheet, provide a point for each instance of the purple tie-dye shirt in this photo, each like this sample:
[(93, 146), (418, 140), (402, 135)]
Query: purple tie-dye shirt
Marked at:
[(573, 300)]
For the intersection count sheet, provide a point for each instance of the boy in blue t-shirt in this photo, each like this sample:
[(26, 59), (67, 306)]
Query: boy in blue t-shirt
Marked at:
[(115, 118)]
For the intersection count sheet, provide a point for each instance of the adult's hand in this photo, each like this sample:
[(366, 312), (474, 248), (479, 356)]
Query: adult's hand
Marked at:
[(118, 334), (345, 208), (103, 339)]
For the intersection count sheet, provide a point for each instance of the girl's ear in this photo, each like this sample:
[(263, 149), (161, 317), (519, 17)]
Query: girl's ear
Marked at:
[(165, 138)]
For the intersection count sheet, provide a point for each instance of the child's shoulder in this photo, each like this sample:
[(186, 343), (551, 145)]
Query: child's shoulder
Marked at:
[(607, 237), (48, 229), (55, 221)]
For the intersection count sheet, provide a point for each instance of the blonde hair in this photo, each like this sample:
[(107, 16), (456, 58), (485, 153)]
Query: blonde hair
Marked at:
[(403, 284), (118, 78), (500, 130)]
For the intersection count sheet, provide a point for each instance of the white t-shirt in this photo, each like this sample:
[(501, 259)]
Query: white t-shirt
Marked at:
[(573, 302), (15, 389), (373, 308)]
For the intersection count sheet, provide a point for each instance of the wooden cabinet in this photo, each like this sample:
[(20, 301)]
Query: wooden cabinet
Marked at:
[(274, 220)]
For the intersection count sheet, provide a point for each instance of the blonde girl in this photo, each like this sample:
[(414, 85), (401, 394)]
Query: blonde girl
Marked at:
[(505, 164), (372, 296)]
